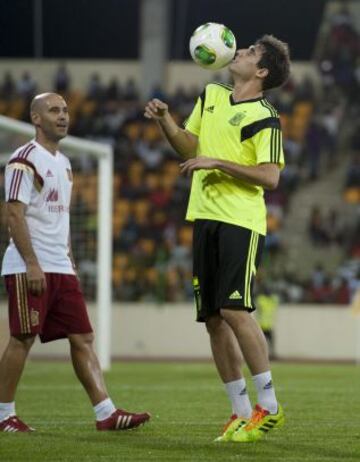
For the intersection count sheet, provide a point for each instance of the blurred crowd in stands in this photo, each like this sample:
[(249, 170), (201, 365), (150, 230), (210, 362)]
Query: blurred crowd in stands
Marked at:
[(332, 131), (151, 240)]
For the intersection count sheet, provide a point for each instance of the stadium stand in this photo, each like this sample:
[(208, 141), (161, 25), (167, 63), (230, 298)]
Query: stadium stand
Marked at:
[(151, 241)]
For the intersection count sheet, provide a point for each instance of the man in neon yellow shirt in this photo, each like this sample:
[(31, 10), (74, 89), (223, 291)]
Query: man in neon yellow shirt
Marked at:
[(233, 144)]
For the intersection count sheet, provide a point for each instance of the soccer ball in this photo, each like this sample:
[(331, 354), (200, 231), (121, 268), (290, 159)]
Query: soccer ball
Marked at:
[(212, 45)]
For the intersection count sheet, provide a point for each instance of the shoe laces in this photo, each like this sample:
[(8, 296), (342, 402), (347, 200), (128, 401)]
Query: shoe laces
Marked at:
[(258, 414)]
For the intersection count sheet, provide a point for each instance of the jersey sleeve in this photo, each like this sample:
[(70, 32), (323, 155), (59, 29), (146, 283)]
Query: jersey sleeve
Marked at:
[(193, 122), (267, 139), (20, 178)]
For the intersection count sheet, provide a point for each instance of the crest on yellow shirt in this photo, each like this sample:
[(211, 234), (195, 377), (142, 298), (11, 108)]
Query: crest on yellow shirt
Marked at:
[(237, 118)]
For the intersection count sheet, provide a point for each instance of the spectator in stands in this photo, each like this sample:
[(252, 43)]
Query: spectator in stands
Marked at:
[(353, 172), (316, 227), (62, 80), (354, 241), (318, 275), (158, 92), (314, 143), (114, 91), (284, 98), (150, 153), (289, 181), (26, 86), (129, 235), (162, 196), (152, 286), (180, 253), (112, 118), (357, 81), (354, 285), (131, 91), (8, 87), (273, 220), (143, 253), (134, 186), (341, 50), (179, 97), (341, 17), (322, 293), (331, 121), (341, 292), (95, 89), (293, 289), (355, 138), (305, 90), (159, 224), (130, 290), (334, 228)]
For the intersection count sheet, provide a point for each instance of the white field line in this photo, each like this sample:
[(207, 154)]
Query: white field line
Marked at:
[(55, 422), (163, 387), (160, 387)]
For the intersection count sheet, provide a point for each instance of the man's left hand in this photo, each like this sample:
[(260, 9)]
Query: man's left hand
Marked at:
[(198, 163)]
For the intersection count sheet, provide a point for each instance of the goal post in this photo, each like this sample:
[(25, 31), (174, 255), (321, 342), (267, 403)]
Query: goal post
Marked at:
[(92, 163)]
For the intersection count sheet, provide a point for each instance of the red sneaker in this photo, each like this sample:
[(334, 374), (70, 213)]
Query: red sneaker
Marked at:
[(122, 420), (14, 424)]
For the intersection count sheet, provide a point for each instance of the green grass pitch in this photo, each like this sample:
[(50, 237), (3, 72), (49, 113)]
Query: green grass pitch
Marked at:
[(189, 407)]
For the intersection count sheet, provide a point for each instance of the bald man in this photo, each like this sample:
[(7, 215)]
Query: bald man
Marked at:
[(44, 295)]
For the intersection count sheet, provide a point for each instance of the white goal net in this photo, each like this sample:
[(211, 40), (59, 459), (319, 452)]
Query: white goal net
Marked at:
[(91, 218)]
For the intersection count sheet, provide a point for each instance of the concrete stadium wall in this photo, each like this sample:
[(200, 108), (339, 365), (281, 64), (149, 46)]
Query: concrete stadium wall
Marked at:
[(169, 331), (186, 74)]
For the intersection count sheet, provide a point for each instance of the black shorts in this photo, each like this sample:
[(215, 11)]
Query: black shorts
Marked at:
[(225, 260)]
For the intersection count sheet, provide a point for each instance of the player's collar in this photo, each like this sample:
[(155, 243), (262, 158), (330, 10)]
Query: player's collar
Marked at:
[(252, 100), (40, 146)]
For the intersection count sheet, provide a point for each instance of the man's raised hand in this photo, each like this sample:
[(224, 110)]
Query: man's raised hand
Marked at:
[(156, 109)]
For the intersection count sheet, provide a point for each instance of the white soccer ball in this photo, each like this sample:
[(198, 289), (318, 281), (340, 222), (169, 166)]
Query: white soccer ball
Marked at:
[(212, 45)]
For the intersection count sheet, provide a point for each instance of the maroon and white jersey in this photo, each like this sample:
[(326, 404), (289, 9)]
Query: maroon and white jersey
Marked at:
[(43, 182)]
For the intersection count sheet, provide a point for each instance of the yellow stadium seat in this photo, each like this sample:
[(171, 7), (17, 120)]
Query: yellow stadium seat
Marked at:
[(352, 195)]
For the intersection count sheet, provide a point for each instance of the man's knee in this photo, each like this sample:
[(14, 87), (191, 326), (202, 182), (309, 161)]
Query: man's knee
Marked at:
[(215, 325), (81, 341), (23, 342), (234, 315)]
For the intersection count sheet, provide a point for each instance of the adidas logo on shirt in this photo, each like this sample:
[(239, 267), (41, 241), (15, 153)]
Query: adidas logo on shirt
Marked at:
[(235, 296), (49, 174), (210, 109)]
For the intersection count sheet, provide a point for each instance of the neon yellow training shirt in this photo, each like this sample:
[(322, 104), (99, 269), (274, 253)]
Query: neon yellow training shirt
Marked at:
[(247, 133)]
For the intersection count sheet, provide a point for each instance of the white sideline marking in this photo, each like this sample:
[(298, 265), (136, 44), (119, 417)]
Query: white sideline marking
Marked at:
[(63, 423), (162, 387), (155, 387)]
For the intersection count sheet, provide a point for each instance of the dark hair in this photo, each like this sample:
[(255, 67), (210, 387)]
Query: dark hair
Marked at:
[(275, 58)]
